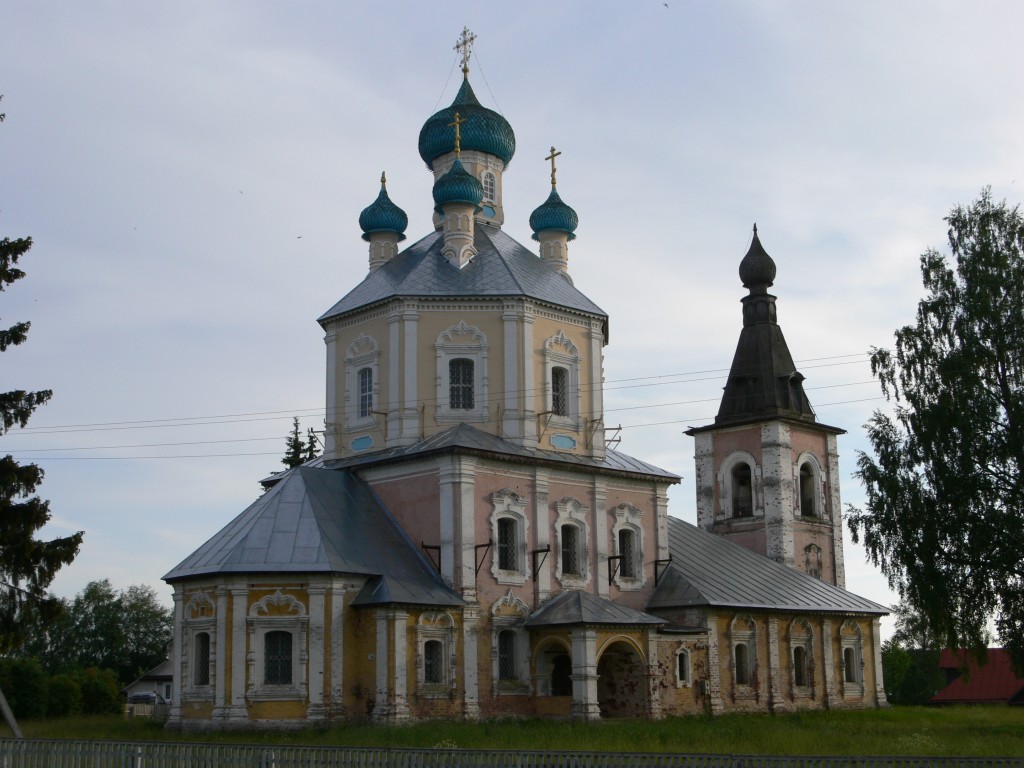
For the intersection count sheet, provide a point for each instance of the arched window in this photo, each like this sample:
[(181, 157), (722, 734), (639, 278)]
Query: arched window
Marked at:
[(742, 491), (365, 392), (683, 667), (571, 550), (460, 384), (742, 663), (508, 544), (849, 665), (560, 391), (627, 549), (433, 661), (800, 666), (807, 494), (277, 658), (489, 183), (201, 668), (508, 666)]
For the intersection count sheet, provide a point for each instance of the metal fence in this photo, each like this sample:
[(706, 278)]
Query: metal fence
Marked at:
[(55, 753)]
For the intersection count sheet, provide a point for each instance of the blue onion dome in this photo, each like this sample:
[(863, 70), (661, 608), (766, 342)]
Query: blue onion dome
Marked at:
[(554, 214), (383, 216), (757, 270), (483, 130), (458, 186)]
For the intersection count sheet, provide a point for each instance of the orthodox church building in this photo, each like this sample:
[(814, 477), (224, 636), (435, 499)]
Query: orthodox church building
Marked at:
[(468, 545)]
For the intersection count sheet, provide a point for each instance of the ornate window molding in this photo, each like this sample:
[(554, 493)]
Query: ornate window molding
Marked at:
[(684, 672), (851, 659), (743, 659), (199, 622), (809, 498), (362, 355), (739, 483), (812, 560), (277, 612), (628, 532), (510, 646), (435, 655), (562, 396), (572, 567), (461, 342), (509, 528), (489, 182), (801, 656)]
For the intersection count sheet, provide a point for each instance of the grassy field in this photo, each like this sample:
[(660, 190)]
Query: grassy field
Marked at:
[(980, 731)]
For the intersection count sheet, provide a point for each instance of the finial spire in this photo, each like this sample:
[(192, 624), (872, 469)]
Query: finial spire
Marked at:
[(383, 181), (552, 157), (459, 120), (464, 47)]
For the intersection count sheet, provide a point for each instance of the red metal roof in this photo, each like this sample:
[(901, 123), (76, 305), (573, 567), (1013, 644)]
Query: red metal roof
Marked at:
[(993, 683)]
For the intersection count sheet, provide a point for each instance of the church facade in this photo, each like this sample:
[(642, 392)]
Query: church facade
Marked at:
[(468, 546)]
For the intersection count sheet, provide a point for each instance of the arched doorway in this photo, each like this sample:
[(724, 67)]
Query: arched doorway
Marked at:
[(554, 669), (621, 682)]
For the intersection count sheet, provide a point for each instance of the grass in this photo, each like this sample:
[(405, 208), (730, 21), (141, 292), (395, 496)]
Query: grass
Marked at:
[(966, 731)]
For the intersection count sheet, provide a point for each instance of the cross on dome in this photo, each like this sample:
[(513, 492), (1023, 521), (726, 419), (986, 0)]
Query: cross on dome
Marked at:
[(459, 120), (552, 157), (464, 47)]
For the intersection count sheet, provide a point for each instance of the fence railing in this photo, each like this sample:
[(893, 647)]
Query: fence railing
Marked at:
[(56, 753)]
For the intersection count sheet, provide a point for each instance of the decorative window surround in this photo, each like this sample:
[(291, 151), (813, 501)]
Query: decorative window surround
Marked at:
[(725, 487), (199, 615), (277, 612), (468, 342), (560, 352), (508, 614), (684, 674), (508, 505), (489, 183), (851, 659), (436, 627), (801, 652), (807, 463), (362, 354), (571, 513), (812, 560), (628, 519), (743, 632)]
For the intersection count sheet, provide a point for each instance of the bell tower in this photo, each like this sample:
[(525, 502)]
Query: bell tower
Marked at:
[(767, 471)]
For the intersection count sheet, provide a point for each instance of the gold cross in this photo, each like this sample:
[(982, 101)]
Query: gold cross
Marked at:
[(457, 122), (552, 157), (464, 47)]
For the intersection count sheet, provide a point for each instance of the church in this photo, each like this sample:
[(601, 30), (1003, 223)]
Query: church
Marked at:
[(469, 546)]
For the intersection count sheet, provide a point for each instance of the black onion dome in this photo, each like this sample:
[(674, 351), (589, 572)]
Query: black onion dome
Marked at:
[(382, 215), (554, 214), (458, 186), (484, 130), (757, 270)]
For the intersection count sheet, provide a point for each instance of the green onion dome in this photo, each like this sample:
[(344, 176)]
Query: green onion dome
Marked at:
[(383, 216), (757, 269), (483, 130), (554, 214), (458, 186)]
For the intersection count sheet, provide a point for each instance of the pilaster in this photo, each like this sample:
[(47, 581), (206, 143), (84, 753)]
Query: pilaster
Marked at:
[(543, 533), (530, 382), (584, 674), (776, 700), (382, 710), (334, 418), (337, 681), (511, 424), (653, 675), (470, 669), (410, 405), (836, 510), (601, 536), (400, 705), (596, 423), (220, 687), (777, 481), (876, 656), (316, 711), (713, 690), (394, 432), (704, 447), (176, 650), (831, 701), (239, 653)]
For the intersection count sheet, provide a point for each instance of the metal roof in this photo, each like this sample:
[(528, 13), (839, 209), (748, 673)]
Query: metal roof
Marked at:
[(322, 521), (573, 608), (502, 268), (707, 570), (469, 438)]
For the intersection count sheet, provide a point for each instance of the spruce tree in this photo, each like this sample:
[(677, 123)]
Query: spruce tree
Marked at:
[(294, 447)]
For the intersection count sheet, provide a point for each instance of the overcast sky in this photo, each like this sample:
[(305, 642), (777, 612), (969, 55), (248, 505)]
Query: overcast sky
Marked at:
[(192, 174)]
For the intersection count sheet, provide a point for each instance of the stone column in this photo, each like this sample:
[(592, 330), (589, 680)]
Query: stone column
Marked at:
[(400, 712), (703, 443), (315, 669), (177, 641), (876, 656), (836, 509), (653, 675), (382, 697), (337, 682), (596, 374), (220, 656), (601, 536), (714, 682), (240, 655), (830, 668), (777, 485), (470, 655), (464, 480), (542, 534), (410, 405), (394, 405), (530, 381), (776, 700), (584, 674), (511, 424)]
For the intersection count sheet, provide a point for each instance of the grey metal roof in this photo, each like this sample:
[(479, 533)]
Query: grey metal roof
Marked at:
[(573, 608), (321, 521), (707, 570), (502, 267), (469, 438)]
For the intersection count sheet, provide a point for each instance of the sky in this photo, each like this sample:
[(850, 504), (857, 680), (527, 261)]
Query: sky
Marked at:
[(192, 174)]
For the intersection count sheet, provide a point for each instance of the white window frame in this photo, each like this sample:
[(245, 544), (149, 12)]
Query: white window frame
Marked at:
[(277, 612), (509, 505), (461, 341), (435, 626), (628, 517), (489, 182), (684, 669), (801, 635), (725, 500), (743, 631), (561, 352), (818, 513), (851, 639), (570, 512), (508, 614), (363, 352), (200, 615)]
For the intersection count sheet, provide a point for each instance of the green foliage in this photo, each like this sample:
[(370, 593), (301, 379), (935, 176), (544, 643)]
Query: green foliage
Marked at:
[(912, 676), (27, 565), (100, 692), (24, 684), (63, 696), (944, 517), (294, 447)]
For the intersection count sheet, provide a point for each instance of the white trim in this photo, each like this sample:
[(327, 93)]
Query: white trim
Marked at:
[(509, 505), (508, 614), (725, 506), (570, 512), (437, 627), (561, 352), (363, 352), (469, 342), (628, 518), (851, 639), (285, 613), (819, 512)]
